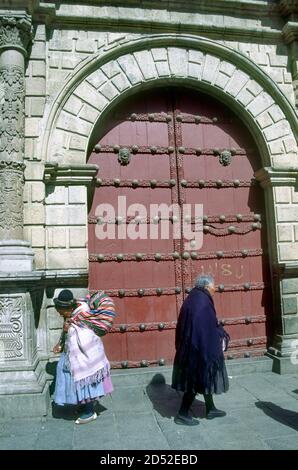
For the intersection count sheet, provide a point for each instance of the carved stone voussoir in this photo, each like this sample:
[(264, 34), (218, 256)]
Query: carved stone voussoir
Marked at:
[(12, 95), (11, 328), (15, 32)]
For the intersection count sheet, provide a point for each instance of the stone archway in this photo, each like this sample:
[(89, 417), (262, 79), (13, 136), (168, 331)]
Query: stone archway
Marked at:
[(196, 62)]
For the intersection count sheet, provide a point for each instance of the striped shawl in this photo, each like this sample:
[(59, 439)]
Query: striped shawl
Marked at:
[(96, 313)]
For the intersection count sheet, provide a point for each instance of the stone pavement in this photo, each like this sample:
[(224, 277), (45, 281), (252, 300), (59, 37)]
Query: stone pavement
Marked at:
[(262, 413)]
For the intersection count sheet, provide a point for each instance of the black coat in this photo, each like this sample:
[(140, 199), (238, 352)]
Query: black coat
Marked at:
[(199, 359)]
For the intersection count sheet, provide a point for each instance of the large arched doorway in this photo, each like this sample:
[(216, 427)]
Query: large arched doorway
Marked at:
[(184, 147)]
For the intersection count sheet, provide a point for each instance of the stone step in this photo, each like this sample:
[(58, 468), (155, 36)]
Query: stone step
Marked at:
[(162, 374)]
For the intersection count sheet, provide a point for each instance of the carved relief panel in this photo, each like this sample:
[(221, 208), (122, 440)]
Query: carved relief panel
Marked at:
[(11, 328)]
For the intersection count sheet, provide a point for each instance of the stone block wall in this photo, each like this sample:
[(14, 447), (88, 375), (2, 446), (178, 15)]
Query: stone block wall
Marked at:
[(66, 227), (34, 210), (287, 222), (36, 94), (273, 59)]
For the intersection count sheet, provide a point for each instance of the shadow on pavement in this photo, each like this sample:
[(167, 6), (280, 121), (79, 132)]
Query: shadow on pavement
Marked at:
[(166, 401), (282, 415), (71, 412), (68, 412)]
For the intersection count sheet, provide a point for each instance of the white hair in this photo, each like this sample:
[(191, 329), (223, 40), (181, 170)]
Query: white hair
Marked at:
[(204, 280)]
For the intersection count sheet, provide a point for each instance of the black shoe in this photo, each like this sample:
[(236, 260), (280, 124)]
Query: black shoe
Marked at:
[(215, 413), (186, 420)]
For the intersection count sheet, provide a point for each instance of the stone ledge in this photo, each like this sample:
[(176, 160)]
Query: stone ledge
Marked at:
[(44, 278), (70, 174), (290, 32), (269, 177), (286, 270), (174, 16)]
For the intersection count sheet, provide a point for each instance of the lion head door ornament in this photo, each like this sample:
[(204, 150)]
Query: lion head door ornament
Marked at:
[(225, 157), (124, 156)]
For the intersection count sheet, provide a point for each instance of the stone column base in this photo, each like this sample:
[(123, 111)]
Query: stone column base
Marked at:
[(16, 256), (283, 365), (23, 380), (24, 393), (285, 354), (25, 405)]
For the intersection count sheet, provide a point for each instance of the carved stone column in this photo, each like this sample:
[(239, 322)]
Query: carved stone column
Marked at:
[(23, 386), (15, 37)]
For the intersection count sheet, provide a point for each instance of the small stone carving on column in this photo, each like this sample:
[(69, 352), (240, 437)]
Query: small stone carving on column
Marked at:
[(11, 203), (12, 95)]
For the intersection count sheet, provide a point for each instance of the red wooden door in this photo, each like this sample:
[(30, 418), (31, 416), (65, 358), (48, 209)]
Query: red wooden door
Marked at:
[(175, 140)]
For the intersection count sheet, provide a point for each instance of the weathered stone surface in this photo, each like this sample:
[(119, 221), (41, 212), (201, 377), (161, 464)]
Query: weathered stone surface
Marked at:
[(177, 61), (282, 194), (37, 192), (260, 103), (36, 86), (264, 120), (277, 130), (287, 213), (87, 93), (77, 195), (73, 105), (34, 214), (73, 124), (210, 68), (290, 324), (109, 91), (66, 215), (288, 251), (56, 237), (290, 305), (237, 82), (56, 194), (67, 259), (37, 237), (146, 64), (78, 142), (121, 82), (78, 237), (131, 69), (294, 195), (285, 233), (290, 286)]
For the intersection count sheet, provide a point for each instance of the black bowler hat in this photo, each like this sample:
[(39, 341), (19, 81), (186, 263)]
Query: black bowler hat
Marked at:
[(65, 299)]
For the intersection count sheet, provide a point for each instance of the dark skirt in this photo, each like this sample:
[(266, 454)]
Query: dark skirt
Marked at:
[(215, 380)]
